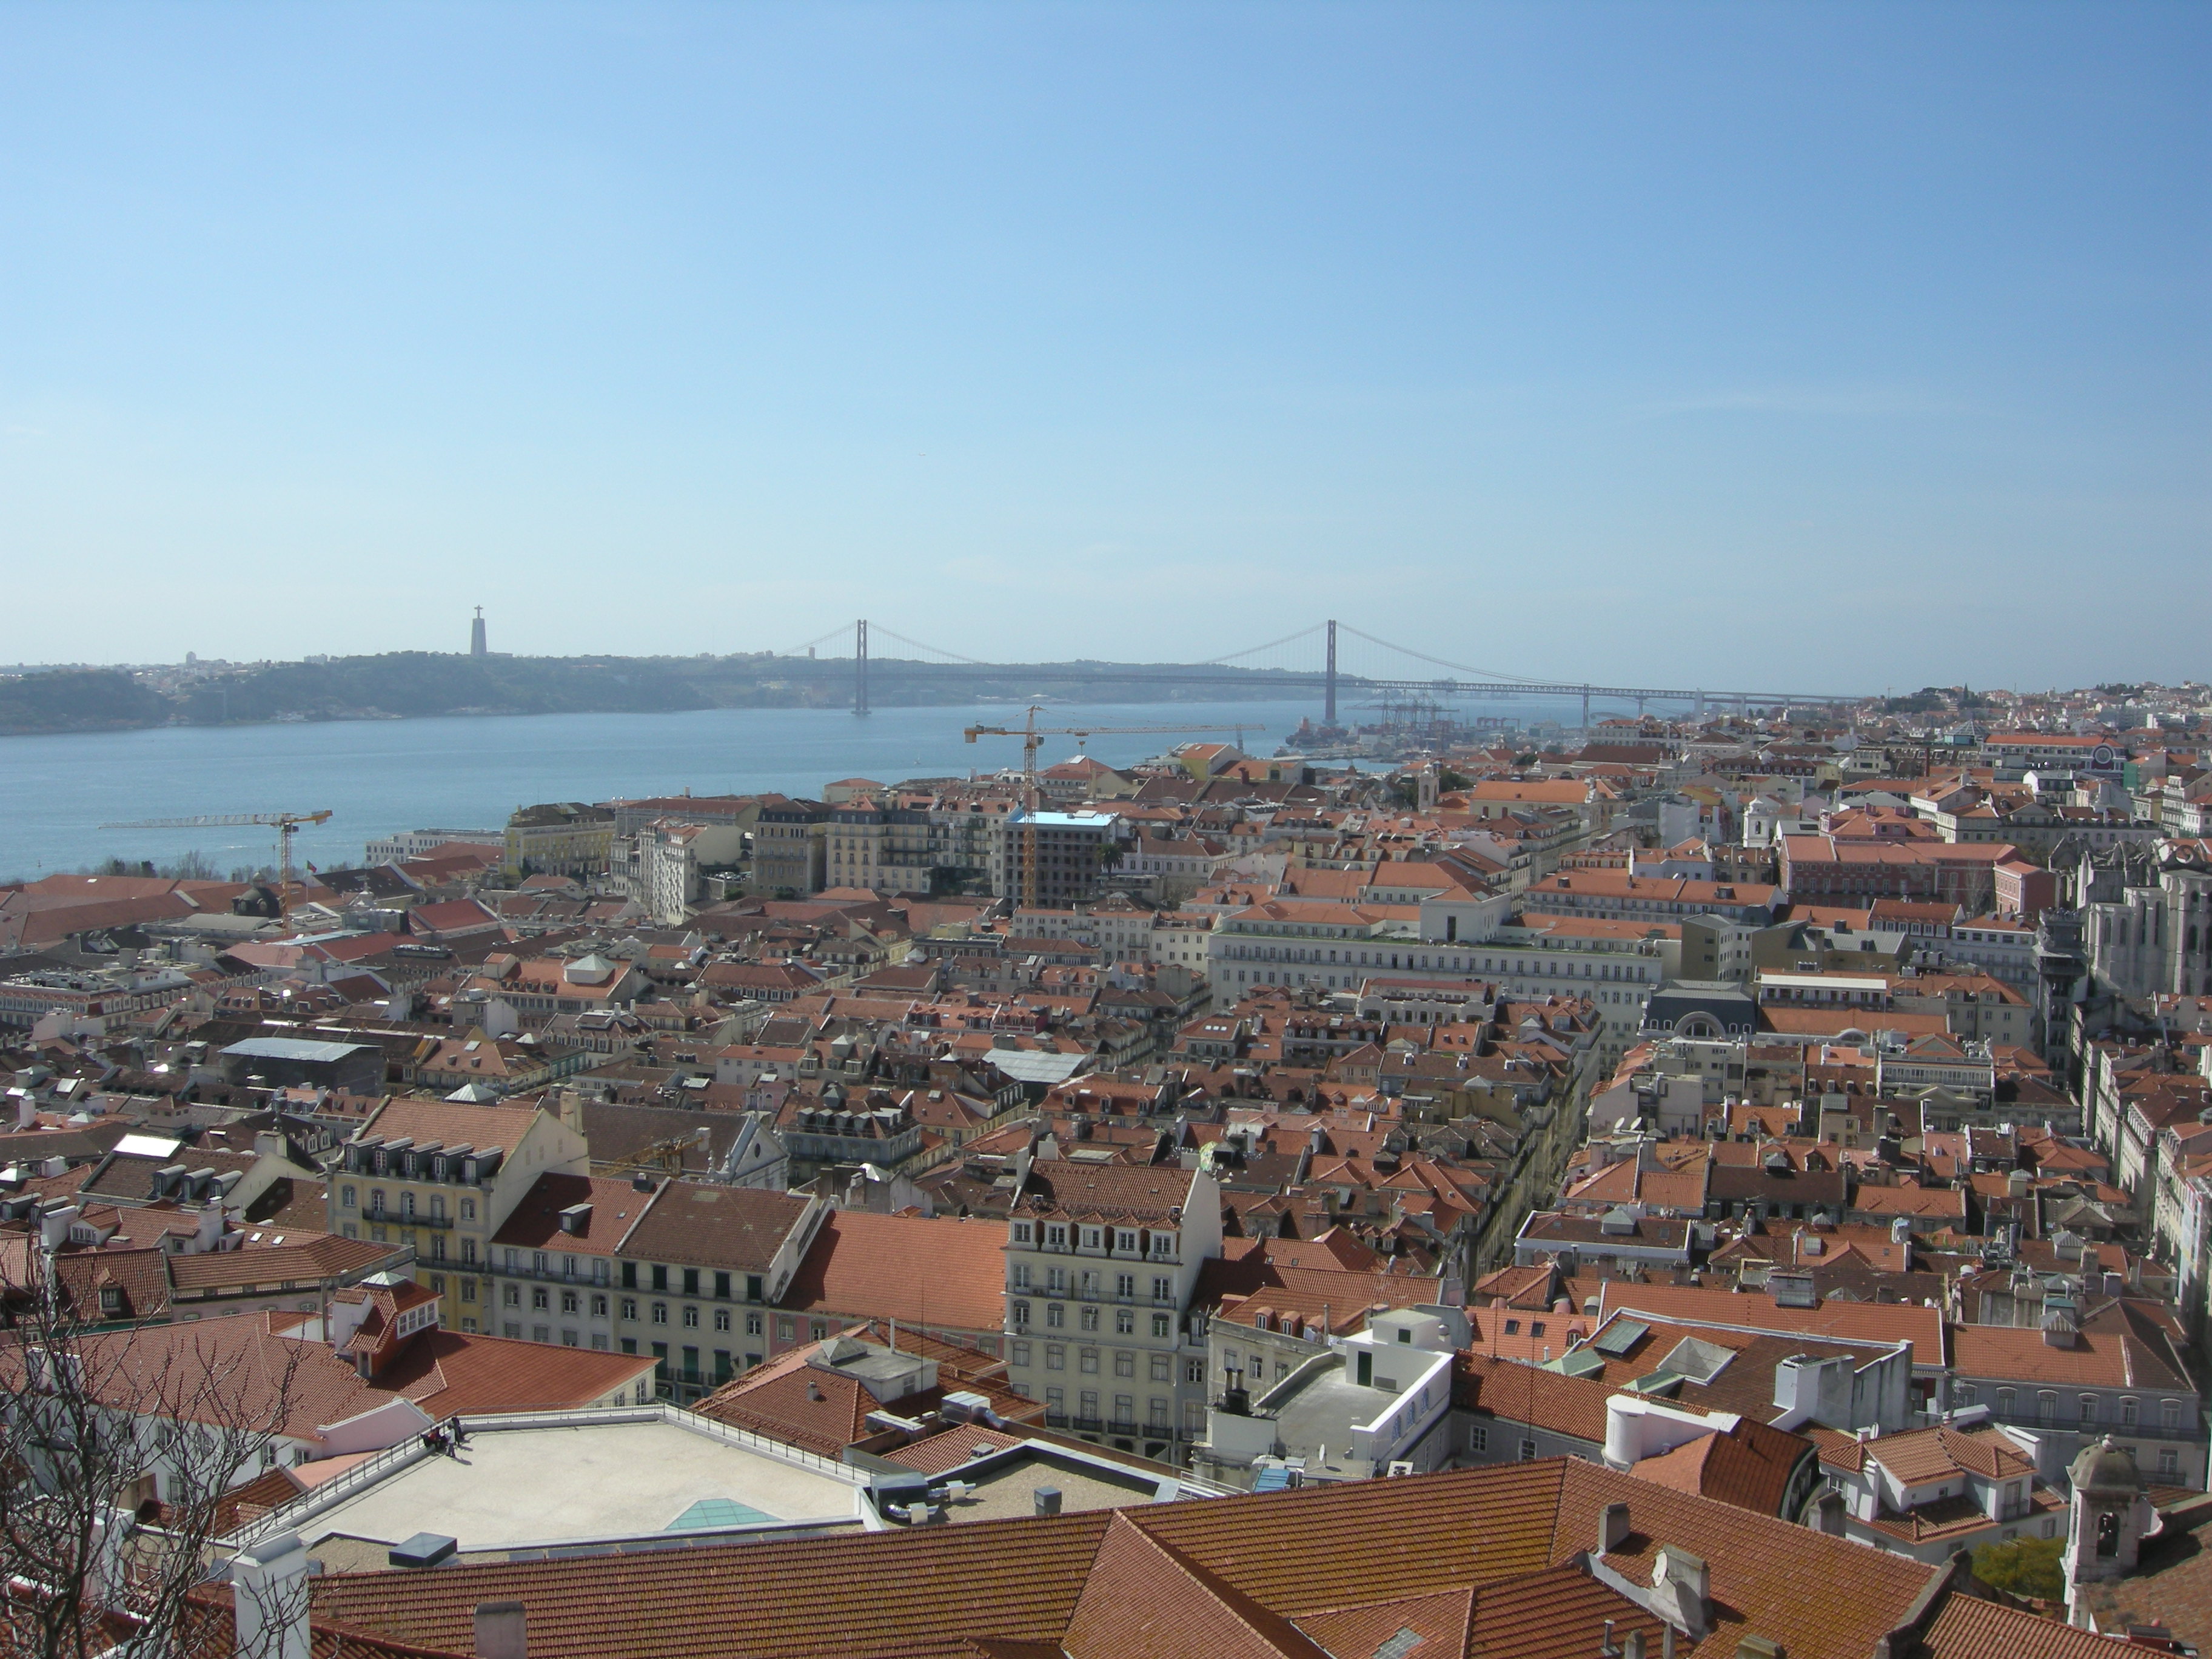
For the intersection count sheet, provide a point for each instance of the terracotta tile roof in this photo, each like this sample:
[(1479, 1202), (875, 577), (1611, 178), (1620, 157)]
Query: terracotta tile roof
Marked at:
[(1967, 1629), (1812, 1593), (1960, 1516), (937, 1453), (1441, 1619), (737, 1227), (108, 1285), (310, 1260), (1749, 1466), (1247, 1572), (1144, 1600), (1885, 1323), (449, 1123), (292, 1386), (534, 1223), (804, 1405), (1256, 1284), (1921, 1456), (2098, 1358), (917, 1591), (448, 1373), (1570, 1406), (1556, 1615), (949, 1275), (1118, 1193)]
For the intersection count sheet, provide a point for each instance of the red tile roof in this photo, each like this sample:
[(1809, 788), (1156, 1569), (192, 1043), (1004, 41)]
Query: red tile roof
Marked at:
[(534, 1223), (1237, 1575), (931, 1274), (1967, 1629)]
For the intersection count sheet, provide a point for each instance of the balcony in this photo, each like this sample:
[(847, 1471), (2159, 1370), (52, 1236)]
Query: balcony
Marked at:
[(388, 1218), (2187, 1432)]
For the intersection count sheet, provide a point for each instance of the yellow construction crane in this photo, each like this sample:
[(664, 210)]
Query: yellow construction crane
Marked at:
[(286, 824), (1032, 735)]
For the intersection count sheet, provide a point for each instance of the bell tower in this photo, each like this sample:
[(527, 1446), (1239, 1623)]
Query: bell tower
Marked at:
[(2109, 1517)]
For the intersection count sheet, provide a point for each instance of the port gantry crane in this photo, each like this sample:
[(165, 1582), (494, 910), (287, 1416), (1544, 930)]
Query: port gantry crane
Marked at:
[(1032, 736), (286, 824)]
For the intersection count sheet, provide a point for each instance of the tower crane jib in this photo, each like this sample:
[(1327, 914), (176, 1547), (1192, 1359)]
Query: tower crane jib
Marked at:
[(286, 824)]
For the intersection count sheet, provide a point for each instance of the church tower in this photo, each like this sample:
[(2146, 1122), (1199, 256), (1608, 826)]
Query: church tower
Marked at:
[(2109, 1517)]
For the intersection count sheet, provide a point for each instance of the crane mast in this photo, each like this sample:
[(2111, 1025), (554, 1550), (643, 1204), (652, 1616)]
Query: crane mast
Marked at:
[(1032, 736)]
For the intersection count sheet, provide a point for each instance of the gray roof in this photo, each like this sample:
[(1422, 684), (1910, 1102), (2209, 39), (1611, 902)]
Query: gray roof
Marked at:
[(293, 1049), (1035, 1066)]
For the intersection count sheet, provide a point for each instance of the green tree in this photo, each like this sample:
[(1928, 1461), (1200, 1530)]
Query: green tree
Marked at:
[(2024, 1566)]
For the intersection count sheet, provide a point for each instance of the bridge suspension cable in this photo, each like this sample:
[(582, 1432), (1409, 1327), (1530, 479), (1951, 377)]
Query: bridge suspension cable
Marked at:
[(1254, 651), (881, 632), (842, 632), (1457, 667)]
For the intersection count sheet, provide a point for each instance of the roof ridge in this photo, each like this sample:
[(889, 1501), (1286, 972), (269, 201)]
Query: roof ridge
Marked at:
[(1269, 1626)]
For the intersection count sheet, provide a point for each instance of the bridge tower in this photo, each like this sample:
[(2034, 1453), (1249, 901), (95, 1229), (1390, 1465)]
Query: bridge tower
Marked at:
[(861, 667), (1328, 709)]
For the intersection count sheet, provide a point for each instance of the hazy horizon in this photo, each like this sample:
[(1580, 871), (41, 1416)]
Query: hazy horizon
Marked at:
[(1787, 344)]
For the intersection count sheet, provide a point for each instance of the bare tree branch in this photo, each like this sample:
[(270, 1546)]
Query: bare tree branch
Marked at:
[(121, 1447)]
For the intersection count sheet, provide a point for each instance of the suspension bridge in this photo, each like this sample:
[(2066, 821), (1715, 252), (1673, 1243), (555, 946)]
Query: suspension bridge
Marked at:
[(1330, 661)]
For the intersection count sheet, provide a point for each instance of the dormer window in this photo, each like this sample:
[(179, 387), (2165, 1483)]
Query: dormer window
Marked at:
[(1022, 1232), (1055, 1237), (1090, 1236)]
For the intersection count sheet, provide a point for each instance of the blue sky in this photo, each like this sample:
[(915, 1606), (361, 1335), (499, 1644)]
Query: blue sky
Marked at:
[(1831, 346)]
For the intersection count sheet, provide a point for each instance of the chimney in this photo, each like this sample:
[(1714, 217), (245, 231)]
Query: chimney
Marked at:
[(1047, 1501), (500, 1631), (1234, 1398), (209, 1235), (54, 1227), (1831, 1511), (269, 1602), (1681, 1588), (1612, 1527), (106, 1569)]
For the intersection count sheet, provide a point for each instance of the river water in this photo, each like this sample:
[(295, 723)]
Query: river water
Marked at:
[(380, 776)]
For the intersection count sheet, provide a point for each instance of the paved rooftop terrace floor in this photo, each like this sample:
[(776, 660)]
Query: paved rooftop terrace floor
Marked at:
[(515, 1487)]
